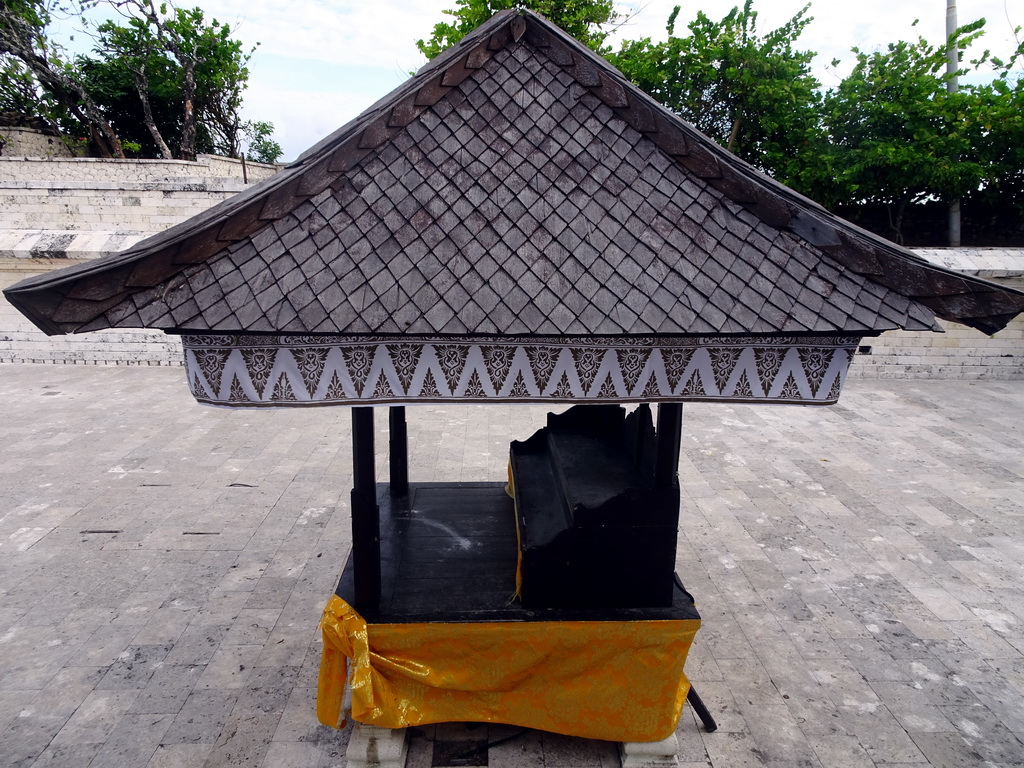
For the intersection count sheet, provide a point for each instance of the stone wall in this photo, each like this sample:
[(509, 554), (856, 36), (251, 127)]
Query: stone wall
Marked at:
[(27, 142), (22, 342), (61, 195), (60, 211), (960, 352)]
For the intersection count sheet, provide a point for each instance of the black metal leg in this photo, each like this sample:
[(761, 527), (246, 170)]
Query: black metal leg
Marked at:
[(670, 428), (702, 712), (365, 513), (398, 451)]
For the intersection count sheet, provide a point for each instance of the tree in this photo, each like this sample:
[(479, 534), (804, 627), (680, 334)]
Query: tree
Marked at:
[(176, 74), (258, 137), (161, 45), (752, 93), (896, 136), (131, 62), (586, 20), (23, 38)]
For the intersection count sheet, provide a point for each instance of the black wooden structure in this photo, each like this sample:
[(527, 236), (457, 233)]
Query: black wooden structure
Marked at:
[(517, 223)]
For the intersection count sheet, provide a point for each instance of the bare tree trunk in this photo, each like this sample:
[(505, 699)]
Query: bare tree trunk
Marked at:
[(896, 224), (734, 134), (141, 85), (188, 128)]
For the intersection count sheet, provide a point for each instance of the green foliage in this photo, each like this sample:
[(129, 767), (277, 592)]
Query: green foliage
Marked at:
[(894, 134), (164, 78), (42, 82), (258, 136), (187, 71), (583, 19), (18, 90), (750, 92)]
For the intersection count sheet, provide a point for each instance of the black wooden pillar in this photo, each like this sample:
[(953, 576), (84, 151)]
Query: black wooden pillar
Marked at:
[(670, 430), (398, 451), (365, 513)]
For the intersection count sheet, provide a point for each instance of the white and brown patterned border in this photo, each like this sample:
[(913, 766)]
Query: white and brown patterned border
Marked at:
[(247, 370)]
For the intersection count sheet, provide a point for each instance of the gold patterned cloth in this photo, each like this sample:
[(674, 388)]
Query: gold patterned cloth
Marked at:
[(613, 680)]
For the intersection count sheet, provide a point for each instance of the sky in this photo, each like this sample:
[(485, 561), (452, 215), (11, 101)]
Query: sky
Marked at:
[(321, 62)]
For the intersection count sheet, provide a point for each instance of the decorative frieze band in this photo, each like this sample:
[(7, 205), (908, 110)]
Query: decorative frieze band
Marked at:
[(248, 370)]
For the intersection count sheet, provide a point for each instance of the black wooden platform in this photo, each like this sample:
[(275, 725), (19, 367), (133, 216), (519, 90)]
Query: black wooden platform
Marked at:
[(448, 554)]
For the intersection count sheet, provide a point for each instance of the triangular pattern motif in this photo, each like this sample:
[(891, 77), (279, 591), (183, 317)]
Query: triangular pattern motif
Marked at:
[(429, 388), (723, 361), (358, 361), (498, 360), (404, 358), (236, 394), (833, 393), (607, 391), (588, 364), (311, 362), (452, 359), (259, 362), (694, 386), (563, 391), (790, 390), (211, 363), (652, 391), (769, 362), (283, 390), (676, 361), (623, 372), (815, 363), (631, 365), (743, 389), (475, 387), (382, 390), (519, 389), (542, 364), (335, 391)]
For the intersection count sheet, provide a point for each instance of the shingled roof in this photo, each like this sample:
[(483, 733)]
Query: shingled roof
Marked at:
[(517, 185)]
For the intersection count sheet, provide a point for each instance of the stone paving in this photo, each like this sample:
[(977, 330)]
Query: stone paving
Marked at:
[(163, 565)]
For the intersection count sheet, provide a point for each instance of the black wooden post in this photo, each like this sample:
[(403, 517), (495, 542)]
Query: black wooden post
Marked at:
[(398, 451), (670, 430), (365, 513)]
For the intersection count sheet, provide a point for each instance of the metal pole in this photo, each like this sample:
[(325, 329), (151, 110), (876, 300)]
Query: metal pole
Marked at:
[(670, 430), (365, 513), (398, 451), (952, 86)]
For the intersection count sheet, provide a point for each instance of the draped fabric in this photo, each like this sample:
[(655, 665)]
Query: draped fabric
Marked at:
[(613, 680)]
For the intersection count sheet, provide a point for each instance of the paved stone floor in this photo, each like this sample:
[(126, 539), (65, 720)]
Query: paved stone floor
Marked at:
[(163, 565)]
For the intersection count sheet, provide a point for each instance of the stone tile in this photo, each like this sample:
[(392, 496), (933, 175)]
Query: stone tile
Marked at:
[(229, 667), (179, 756), (201, 718), (135, 740), (858, 673), (167, 689), (67, 755), (881, 735), (134, 667), (96, 718)]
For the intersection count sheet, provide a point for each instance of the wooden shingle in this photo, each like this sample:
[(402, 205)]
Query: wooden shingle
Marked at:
[(516, 186)]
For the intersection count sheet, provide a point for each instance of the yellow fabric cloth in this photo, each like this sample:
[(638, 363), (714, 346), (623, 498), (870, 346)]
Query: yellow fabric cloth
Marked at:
[(620, 681)]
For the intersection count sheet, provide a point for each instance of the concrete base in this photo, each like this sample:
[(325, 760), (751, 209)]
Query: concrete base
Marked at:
[(650, 754), (373, 747)]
